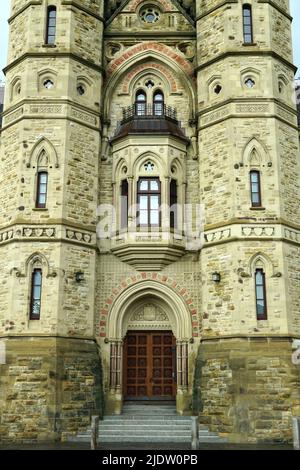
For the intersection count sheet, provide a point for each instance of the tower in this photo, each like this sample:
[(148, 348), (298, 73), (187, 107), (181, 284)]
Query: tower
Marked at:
[(149, 215), (50, 144), (249, 185)]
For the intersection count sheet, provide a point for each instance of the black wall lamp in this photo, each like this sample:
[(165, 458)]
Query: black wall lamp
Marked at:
[(216, 277), (79, 276)]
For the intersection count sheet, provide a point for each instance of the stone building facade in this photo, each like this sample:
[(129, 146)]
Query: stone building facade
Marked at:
[(114, 111)]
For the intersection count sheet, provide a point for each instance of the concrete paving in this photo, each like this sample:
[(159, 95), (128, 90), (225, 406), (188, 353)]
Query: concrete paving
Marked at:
[(154, 447)]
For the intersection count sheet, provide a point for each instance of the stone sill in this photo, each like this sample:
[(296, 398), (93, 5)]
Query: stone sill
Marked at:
[(257, 208), (40, 209), (49, 46), (246, 44)]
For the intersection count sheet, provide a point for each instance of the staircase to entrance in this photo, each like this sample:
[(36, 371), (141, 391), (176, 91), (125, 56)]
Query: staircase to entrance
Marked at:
[(148, 423)]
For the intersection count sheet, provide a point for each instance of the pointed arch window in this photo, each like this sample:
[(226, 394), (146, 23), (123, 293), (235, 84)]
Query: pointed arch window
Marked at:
[(260, 292), (255, 186), (140, 103), (36, 294), (173, 204), (42, 186), (158, 103), (247, 24), (124, 204), (51, 25)]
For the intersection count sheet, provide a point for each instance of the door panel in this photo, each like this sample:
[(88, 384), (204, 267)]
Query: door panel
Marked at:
[(149, 365)]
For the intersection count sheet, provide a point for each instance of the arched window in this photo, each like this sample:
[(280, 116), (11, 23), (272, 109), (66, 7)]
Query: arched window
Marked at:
[(51, 25), (36, 294), (260, 292), (173, 204), (255, 188), (41, 191), (149, 202), (158, 103), (140, 103), (247, 24), (124, 204)]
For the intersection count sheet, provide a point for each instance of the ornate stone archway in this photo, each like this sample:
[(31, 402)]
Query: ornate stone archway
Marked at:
[(173, 314)]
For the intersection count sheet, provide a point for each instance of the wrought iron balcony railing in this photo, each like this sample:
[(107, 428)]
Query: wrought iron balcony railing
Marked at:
[(143, 111)]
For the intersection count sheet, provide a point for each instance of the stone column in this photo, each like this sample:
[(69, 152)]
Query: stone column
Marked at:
[(116, 354), (131, 203), (165, 206), (182, 364)]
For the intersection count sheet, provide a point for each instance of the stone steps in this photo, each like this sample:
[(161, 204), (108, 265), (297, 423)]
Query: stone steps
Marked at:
[(142, 423)]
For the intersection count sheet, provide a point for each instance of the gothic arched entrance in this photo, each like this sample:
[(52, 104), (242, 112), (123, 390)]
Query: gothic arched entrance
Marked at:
[(157, 324)]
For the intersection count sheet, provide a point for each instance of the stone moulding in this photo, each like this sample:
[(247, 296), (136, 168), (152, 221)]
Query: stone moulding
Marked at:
[(240, 231), (52, 110), (47, 233), (231, 109), (140, 280)]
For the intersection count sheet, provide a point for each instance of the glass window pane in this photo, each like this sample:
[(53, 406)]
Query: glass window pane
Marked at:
[(143, 185), (154, 217), (36, 307), (154, 202), (259, 278), (43, 178), (260, 307), (37, 292), (38, 277), (154, 186), (260, 292), (141, 97), (255, 198), (143, 202), (144, 217), (254, 177), (158, 97)]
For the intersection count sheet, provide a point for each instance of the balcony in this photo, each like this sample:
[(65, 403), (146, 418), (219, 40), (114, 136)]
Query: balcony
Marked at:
[(147, 119)]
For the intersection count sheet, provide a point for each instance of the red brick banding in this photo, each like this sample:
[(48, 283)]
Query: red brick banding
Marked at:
[(166, 6), (139, 278), (148, 47), (149, 65)]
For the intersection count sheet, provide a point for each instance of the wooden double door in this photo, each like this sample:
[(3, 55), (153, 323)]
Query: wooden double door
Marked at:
[(149, 365)]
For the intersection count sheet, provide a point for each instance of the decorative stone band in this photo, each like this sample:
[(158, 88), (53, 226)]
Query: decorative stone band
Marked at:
[(167, 6), (52, 110), (139, 278), (56, 233), (241, 231), (255, 108)]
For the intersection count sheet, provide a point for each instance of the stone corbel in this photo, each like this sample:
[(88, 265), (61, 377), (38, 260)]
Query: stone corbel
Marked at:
[(242, 274), (277, 274), (17, 272)]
